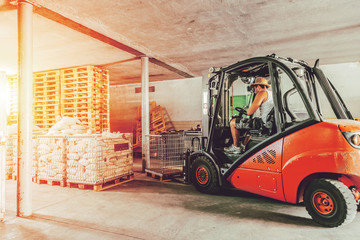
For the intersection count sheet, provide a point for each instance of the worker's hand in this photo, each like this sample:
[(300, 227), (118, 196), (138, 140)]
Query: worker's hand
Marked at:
[(241, 111)]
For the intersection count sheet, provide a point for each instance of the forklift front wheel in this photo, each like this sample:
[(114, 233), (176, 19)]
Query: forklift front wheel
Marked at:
[(204, 175), (329, 202)]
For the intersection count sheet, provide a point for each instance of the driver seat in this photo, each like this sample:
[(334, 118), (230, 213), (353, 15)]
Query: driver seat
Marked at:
[(266, 129), (269, 126)]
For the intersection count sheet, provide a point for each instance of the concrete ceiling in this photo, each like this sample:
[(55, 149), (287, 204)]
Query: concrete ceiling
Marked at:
[(183, 37)]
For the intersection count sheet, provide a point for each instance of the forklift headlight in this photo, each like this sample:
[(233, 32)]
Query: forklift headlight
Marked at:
[(353, 138)]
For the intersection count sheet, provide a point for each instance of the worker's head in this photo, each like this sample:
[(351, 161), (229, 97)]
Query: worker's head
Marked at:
[(260, 83)]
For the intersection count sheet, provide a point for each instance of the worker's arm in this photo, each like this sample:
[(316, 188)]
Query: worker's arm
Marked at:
[(259, 99)]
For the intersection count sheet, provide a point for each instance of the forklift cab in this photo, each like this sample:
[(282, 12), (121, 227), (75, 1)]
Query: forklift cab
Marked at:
[(227, 90)]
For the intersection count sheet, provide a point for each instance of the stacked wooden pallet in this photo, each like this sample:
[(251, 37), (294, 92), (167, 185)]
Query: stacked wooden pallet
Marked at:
[(13, 88), (81, 92), (46, 99), (103, 87), (157, 123), (138, 137), (10, 159), (85, 95)]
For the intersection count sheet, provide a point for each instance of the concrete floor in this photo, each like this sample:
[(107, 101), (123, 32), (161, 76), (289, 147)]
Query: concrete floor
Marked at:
[(149, 209)]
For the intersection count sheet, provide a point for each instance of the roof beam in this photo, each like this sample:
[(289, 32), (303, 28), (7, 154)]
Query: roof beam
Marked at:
[(119, 62), (47, 13)]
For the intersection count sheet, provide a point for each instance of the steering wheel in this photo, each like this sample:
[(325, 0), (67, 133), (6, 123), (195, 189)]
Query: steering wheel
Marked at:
[(241, 111)]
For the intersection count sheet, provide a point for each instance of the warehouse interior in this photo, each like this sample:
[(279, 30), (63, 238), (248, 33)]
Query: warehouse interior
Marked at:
[(107, 40)]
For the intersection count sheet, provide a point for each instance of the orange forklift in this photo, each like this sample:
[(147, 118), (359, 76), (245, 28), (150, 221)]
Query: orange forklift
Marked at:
[(308, 150)]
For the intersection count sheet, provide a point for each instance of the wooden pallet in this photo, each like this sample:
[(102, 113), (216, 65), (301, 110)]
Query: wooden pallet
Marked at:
[(14, 177), (8, 176), (46, 74), (164, 174), (61, 183), (101, 186)]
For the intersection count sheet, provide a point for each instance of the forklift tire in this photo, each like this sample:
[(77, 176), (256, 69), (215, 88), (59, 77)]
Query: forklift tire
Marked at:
[(204, 176), (330, 203)]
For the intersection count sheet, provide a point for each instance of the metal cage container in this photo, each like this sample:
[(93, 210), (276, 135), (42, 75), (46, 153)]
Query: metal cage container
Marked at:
[(166, 152), (12, 157), (50, 152), (94, 159)]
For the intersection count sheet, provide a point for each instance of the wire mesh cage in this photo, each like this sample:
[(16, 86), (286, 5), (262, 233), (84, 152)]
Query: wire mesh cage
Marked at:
[(95, 159), (50, 152), (166, 152), (12, 157)]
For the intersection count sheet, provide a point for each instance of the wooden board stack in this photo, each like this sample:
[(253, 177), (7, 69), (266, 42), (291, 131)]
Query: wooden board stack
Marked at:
[(10, 159), (46, 98), (85, 95), (13, 88), (81, 92)]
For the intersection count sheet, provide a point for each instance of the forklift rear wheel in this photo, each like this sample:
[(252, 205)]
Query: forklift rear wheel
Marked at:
[(329, 202), (204, 175)]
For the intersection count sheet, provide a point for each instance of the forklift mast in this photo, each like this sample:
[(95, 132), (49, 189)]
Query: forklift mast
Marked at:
[(205, 105), (212, 85)]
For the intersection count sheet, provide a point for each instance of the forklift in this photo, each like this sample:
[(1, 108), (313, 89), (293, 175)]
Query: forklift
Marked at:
[(308, 150)]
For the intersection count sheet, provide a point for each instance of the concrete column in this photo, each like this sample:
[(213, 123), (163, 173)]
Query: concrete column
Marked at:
[(2, 180), (25, 118), (3, 103), (145, 115)]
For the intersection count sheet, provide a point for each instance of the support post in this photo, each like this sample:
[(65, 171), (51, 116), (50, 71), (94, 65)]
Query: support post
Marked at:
[(3, 104), (25, 117), (145, 115)]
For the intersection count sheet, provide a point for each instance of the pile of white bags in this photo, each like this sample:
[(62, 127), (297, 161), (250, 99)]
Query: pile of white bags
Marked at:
[(69, 151), (51, 157), (11, 150), (93, 159), (68, 126)]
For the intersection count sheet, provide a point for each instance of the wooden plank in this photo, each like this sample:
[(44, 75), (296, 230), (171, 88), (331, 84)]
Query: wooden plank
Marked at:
[(8, 176), (102, 186), (164, 174), (61, 183), (116, 183)]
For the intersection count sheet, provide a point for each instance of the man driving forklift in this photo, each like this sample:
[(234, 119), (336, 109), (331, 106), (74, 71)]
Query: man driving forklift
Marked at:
[(264, 102)]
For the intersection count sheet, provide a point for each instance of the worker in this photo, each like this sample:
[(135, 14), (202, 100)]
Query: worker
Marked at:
[(264, 102)]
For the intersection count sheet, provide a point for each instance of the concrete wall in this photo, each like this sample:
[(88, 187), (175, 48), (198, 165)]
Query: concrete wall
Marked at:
[(182, 98), (346, 79), (124, 105)]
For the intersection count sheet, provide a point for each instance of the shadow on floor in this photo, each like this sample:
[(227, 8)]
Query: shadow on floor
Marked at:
[(230, 202), (118, 231)]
